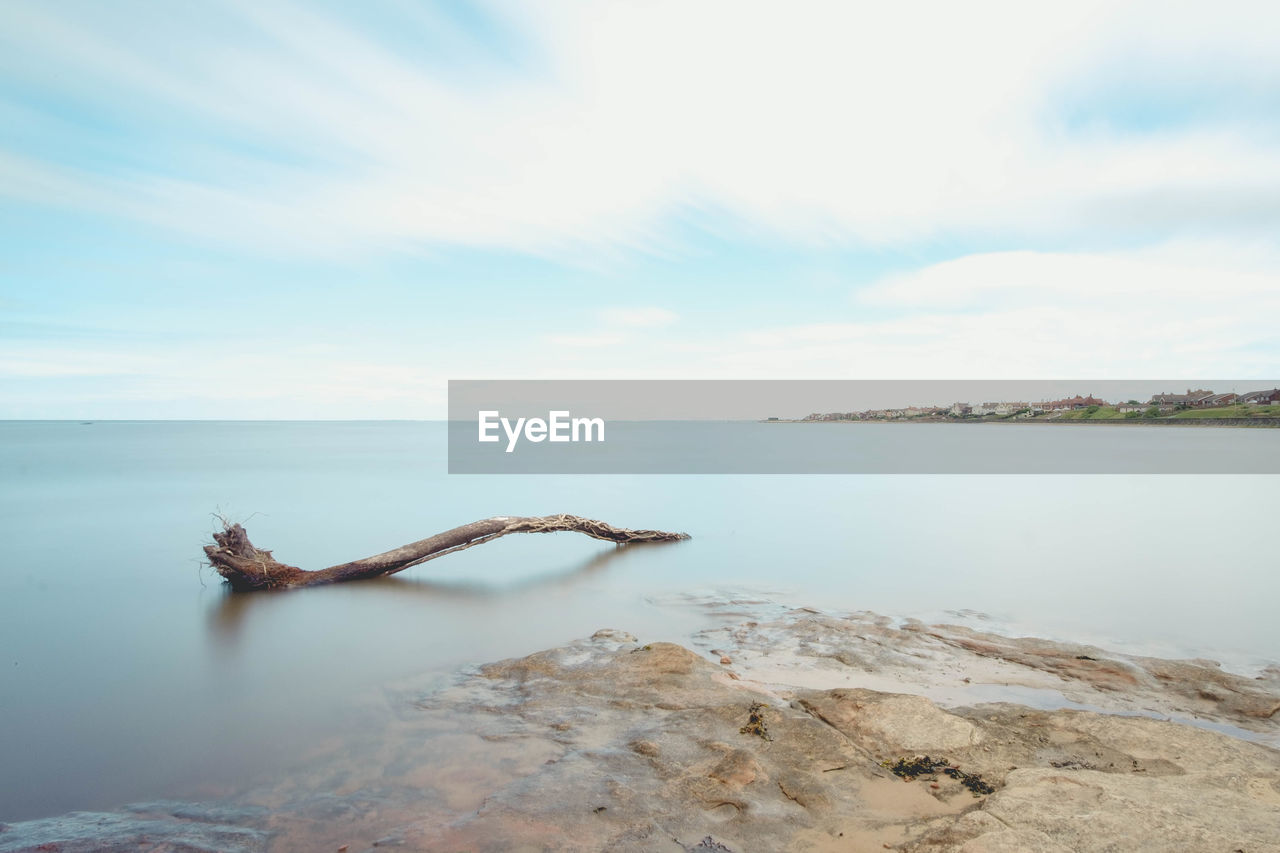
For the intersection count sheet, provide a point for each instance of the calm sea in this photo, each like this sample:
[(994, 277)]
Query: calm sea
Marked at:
[(128, 673)]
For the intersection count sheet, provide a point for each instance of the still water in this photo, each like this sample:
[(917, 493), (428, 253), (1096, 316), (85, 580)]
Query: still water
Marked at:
[(128, 673)]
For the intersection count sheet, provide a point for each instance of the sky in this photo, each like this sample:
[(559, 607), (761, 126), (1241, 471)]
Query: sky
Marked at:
[(268, 209)]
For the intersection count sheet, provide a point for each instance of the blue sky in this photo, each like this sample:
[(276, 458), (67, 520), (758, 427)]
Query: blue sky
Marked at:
[(265, 210)]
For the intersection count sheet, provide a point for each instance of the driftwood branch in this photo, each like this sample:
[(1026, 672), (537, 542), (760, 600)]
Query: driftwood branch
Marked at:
[(247, 567)]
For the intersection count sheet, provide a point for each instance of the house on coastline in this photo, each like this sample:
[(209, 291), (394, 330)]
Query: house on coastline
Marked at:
[(1261, 398), (1217, 400), (1166, 402), (1072, 403)]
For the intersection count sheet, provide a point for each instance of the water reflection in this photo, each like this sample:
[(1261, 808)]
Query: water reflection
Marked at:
[(229, 615), (594, 565)]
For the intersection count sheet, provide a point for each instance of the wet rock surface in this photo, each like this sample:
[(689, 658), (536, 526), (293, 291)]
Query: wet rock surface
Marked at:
[(955, 665), (163, 827), (610, 743), (658, 754)]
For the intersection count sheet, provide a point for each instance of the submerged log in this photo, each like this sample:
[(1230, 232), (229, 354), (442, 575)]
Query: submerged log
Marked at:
[(247, 567)]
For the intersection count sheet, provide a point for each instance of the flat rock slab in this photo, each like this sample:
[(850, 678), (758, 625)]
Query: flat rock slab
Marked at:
[(662, 749), (957, 666)]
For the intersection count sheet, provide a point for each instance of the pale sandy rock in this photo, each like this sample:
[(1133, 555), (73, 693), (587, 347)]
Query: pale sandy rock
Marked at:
[(957, 666), (613, 635), (1093, 811), (887, 723), (1013, 841), (669, 760)]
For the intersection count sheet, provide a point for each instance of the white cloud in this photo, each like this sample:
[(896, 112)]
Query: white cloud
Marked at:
[(1180, 309), (649, 317), (823, 122), (586, 341), (618, 325), (59, 367), (1177, 275), (206, 379)]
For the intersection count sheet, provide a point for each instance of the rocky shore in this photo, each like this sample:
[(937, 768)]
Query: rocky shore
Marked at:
[(805, 732)]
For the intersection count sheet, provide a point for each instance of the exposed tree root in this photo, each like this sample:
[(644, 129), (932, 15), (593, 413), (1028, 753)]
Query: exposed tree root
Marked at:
[(246, 567)]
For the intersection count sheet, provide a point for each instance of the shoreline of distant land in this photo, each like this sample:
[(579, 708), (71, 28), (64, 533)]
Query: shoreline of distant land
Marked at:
[(1265, 422), (1194, 408)]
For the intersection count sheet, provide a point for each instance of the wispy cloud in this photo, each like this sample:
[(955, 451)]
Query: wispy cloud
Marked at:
[(586, 341), (1181, 308), (1185, 276), (292, 129), (205, 381), (649, 317), (49, 367)]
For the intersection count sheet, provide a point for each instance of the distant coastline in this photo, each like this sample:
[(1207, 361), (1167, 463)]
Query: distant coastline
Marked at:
[(1265, 422), (1200, 407)]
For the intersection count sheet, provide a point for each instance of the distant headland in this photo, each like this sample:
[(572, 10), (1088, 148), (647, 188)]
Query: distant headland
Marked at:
[(1195, 407)]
